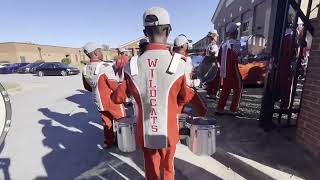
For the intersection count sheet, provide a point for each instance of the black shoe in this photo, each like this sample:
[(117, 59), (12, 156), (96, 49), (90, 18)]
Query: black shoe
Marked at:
[(237, 114), (218, 113)]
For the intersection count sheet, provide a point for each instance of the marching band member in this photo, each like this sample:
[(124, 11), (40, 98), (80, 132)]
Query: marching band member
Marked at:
[(213, 48), (158, 84), (122, 60), (143, 45), (284, 74), (181, 44), (229, 71), (212, 52), (100, 79)]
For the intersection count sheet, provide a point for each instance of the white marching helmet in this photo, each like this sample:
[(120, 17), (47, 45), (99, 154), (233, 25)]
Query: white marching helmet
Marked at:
[(156, 16), (91, 46), (180, 41)]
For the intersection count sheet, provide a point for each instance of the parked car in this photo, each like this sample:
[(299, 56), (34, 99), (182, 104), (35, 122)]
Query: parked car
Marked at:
[(56, 68), (27, 68), (252, 66), (4, 65), (12, 68), (33, 69)]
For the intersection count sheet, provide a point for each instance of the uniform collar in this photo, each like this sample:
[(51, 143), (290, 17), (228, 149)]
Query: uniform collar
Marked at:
[(183, 53), (95, 61), (156, 46)]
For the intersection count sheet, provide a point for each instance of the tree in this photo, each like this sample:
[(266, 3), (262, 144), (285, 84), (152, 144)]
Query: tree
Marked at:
[(105, 47), (66, 60)]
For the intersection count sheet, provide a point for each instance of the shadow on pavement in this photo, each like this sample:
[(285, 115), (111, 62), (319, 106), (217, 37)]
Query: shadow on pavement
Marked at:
[(4, 165), (75, 139), (243, 137)]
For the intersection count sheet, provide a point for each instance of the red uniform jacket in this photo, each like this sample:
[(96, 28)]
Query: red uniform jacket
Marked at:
[(99, 78), (120, 64), (157, 82)]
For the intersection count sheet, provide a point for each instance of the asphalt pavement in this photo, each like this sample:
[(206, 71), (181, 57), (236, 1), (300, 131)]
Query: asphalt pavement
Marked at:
[(56, 134)]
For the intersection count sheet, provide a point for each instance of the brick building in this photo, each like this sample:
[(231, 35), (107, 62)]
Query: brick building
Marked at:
[(254, 16), (132, 47), (308, 131), (27, 52), (202, 44)]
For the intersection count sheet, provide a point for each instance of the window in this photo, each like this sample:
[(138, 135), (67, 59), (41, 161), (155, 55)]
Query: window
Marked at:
[(229, 2), (48, 65), (245, 26)]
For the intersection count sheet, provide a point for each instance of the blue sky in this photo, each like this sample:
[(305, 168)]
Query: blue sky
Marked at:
[(72, 23)]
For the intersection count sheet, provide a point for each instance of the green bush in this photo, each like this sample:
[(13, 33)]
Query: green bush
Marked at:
[(66, 61)]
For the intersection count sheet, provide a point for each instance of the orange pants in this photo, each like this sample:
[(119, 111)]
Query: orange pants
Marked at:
[(214, 86), (109, 137), (159, 161), (229, 84), (198, 104)]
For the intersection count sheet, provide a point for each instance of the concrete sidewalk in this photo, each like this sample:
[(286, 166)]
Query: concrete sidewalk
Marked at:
[(255, 154), (55, 126)]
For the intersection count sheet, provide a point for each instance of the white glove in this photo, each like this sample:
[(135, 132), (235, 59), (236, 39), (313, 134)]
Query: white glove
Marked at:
[(196, 82)]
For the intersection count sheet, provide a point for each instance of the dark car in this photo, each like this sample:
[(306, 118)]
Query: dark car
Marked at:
[(28, 68), (56, 69), (12, 68), (33, 69)]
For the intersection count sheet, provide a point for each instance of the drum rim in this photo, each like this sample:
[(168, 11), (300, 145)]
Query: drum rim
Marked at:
[(8, 111), (191, 121)]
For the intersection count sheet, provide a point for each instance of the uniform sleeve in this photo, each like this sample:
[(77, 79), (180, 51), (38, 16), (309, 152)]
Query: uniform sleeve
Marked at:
[(216, 50), (85, 84), (237, 48), (113, 85), (111, 80), (185, 93), (219, 57), (119, 95)]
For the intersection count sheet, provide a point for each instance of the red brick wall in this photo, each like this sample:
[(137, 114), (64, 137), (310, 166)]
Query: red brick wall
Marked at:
[(308, 132)]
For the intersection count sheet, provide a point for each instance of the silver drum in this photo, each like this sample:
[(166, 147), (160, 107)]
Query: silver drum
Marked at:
[(203, 136), (126, 134), (182, 120), (183, 127)]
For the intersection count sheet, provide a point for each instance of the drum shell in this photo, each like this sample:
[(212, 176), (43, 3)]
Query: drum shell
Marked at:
[(182, 120), (126, 135), (182, 125), (202, 140)]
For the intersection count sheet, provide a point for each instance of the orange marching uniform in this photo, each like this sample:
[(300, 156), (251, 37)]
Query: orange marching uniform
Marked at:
[(230, 75), (122, 60), (158, 84), (284, 76), (100, 79), (197, 103)]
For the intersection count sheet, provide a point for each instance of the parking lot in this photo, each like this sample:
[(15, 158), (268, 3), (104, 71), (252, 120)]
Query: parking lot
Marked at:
[(56, 133)]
